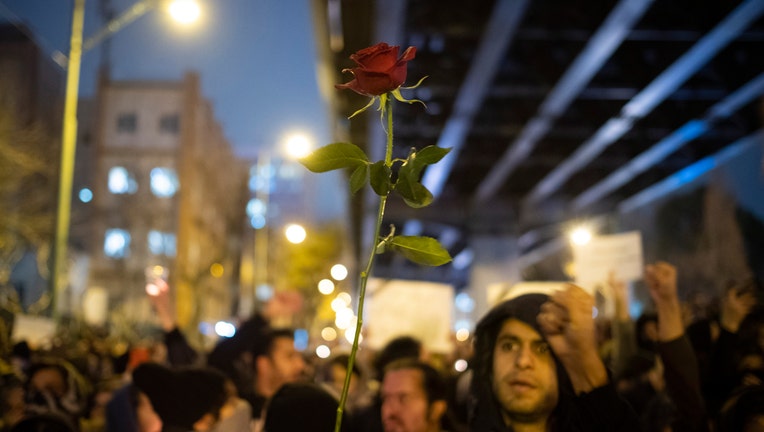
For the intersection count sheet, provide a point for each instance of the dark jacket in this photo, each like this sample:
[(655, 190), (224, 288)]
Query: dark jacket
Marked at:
[(599, 410)]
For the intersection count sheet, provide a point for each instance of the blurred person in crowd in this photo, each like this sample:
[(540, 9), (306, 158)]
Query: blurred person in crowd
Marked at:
[(398, 348), (12, 403), (750, 349), (413, 397), (716, 342), (303, 407), (178, 350), (276, 362), (369, 419), (130, 410), (332, 374), (537, 368), (21, 358), (743, 411), (646, 331), (679, 364), (95, 416), (641, 379), (52, 387), (185, 399)]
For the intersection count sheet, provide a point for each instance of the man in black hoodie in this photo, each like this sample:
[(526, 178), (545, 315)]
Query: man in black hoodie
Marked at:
[(537, 368)]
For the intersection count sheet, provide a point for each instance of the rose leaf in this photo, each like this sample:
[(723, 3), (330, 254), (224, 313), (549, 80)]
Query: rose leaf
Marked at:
[(421, 250), (334, 156), (358, 178)]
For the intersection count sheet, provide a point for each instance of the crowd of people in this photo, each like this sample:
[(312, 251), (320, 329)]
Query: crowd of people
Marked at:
[(539, 361)]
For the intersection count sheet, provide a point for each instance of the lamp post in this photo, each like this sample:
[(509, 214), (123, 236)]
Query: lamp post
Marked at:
[(68, 143), (69, 129)]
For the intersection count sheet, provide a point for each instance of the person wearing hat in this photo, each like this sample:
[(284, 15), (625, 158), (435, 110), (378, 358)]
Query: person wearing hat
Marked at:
[(185, 399), (301, 406), (536, 368)]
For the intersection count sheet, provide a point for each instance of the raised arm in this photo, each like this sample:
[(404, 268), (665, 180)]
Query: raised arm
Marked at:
[(680, 364), (568, 325)]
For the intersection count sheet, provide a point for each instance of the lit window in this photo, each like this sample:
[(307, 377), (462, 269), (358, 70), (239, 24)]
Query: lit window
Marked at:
[(164, 182), (257, 221), (162, 243), (86, 195), (127, 123), (121, 181), (116, 243), (169, 123), (255, 207)]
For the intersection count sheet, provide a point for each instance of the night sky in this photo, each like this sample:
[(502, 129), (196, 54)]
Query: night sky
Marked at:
[(256, 59)]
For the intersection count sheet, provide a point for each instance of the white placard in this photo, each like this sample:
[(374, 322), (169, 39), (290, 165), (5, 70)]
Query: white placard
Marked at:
[(95, 305), (397, 307), (36, 330), (619, 253)]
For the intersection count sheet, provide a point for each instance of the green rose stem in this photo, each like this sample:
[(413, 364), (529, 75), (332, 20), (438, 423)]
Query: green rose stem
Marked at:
[(387, 111)]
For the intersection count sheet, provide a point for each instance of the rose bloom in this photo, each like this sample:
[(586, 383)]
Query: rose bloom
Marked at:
[(379, 69)]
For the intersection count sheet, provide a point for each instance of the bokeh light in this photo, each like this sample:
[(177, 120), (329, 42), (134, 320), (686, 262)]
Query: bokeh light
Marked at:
[(225, 329), (329, 334), (580, 236), (325, 286), (339, 272), (323, 351), (295, 233)]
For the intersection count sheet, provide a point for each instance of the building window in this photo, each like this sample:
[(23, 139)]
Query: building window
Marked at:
[(164, 182), (121, 181), (169, 123), (127, 123), (162, 243), (116, 243)]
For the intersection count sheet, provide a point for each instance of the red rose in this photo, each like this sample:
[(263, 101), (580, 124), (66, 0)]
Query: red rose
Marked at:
[(379, 69)]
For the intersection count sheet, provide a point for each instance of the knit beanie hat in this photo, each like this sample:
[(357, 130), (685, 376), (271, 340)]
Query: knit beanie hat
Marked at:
[(301, 407), (181, 397)]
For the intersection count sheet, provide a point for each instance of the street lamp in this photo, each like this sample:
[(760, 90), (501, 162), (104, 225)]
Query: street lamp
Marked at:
[(69, 129), (295, 233), (298, 145)]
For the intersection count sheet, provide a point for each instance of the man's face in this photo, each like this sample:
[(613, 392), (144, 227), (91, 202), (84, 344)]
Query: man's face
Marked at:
[(287, 364), (404, 403), (524, 374)]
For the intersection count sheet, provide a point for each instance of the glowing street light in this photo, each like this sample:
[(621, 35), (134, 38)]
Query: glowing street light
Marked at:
[(580, 236), (298, 145), (295, 233), (184, 11)]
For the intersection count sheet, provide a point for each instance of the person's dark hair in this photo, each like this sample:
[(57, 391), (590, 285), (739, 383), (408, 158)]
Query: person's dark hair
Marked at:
[(325, 372), (181, 397), (639, 327), (637, 365), (484, 412), (433, 384), (265, 347), (47, 365), (398, 348), (303, 407)]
